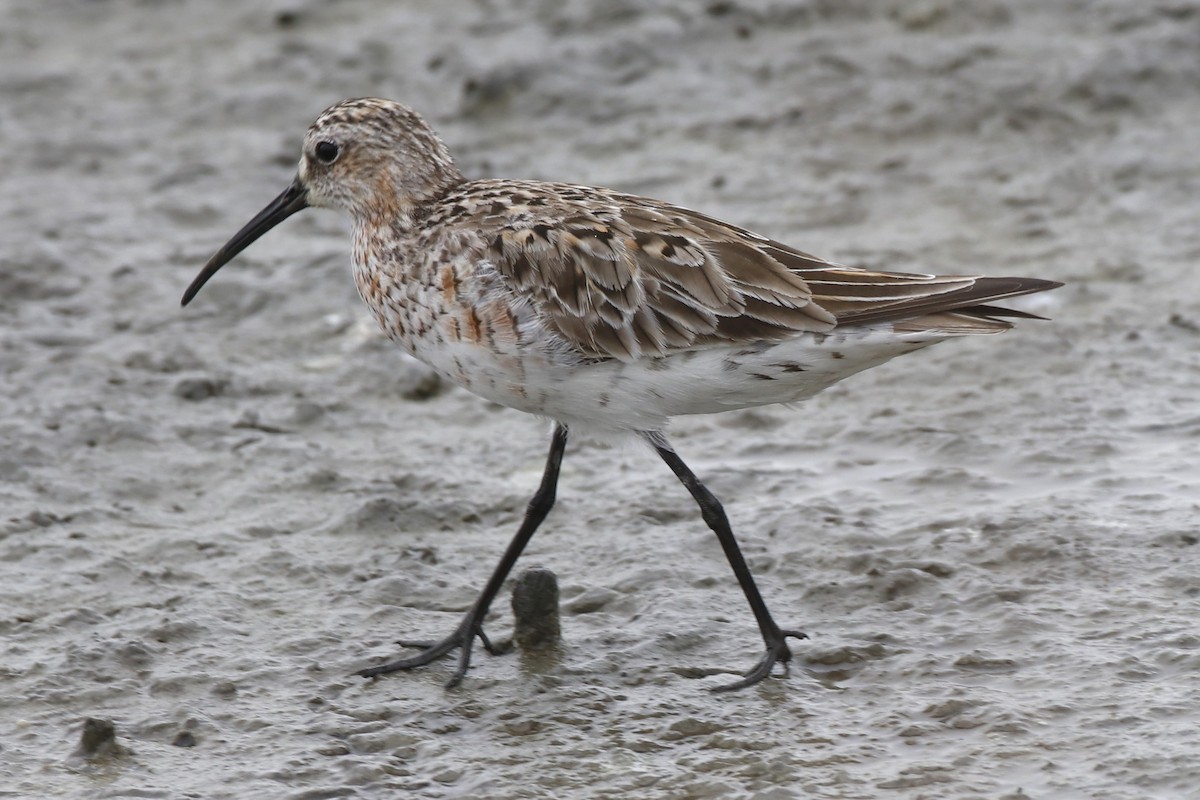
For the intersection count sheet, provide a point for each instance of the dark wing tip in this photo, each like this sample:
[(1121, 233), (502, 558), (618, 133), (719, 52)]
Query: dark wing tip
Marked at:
[(975, 298)]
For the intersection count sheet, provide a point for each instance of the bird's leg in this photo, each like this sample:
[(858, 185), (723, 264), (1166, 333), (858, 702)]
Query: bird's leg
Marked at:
[(472, 623), (774, 637)]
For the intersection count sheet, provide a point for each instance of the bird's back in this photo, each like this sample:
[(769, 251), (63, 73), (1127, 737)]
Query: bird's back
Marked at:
[(574, 301)]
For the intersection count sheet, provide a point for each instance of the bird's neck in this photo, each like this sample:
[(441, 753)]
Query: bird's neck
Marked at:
[(387, 255), (398, 206)]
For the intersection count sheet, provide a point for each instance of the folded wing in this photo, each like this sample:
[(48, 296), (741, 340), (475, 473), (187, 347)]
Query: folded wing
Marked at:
[(638, 279)]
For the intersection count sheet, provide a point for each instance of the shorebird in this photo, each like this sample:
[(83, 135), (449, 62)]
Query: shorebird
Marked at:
[(600, 310)]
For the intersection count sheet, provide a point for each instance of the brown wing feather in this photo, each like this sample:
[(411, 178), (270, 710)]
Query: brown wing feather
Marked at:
[(636, 278)]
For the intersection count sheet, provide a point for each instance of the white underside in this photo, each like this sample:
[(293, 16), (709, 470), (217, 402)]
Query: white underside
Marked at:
[(642, 396)]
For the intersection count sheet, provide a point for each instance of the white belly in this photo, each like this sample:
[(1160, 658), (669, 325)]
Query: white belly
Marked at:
[(643, 395)]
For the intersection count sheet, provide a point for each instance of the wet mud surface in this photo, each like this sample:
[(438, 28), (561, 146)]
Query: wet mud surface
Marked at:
[(213, 516)]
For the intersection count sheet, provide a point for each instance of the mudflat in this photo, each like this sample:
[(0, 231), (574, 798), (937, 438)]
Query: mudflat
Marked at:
[(212, 516)]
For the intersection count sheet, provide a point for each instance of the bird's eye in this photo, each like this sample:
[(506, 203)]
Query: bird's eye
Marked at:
[(327, 152)]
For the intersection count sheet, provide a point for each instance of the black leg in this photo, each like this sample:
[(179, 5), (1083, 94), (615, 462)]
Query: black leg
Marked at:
[(714, 515), (472, 624)]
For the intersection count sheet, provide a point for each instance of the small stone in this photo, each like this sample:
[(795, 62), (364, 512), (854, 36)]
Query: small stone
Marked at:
[(196, 389), (535, 607), (98, 739), (420, 383)]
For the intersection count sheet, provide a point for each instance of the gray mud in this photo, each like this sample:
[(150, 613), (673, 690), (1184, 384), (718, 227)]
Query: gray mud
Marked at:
[(212, 516)]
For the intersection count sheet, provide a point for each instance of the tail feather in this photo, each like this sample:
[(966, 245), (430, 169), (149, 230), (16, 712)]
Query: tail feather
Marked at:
[(952, 323), (971, 301)]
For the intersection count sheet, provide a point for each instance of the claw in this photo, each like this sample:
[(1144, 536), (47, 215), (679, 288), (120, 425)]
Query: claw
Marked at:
[(423, 644), (461, 639), (494, 649), (777, 652)]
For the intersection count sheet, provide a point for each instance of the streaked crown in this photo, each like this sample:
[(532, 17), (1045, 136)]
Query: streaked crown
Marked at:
[(371, 156)]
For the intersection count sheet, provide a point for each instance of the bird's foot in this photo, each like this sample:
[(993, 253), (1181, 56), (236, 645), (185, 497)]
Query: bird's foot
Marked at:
[(777, 652), (461, 639)]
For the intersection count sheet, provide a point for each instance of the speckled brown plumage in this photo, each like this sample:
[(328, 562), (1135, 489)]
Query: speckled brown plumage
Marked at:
[(602, 309)]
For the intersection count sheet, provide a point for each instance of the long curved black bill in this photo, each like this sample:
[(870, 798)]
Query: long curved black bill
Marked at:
[(293, 199)]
